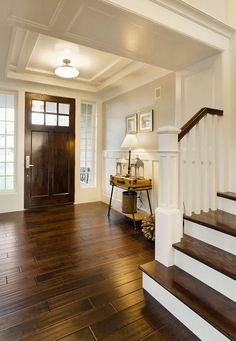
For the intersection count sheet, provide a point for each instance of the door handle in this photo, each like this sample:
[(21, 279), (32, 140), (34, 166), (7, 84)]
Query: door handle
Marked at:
[(27, 162)]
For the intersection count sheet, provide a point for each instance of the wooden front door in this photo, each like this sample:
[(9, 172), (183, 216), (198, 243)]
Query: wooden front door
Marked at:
[(49, 150)]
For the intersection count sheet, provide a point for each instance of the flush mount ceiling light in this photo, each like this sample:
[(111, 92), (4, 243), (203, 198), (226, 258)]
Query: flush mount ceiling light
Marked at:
[(66, 70)]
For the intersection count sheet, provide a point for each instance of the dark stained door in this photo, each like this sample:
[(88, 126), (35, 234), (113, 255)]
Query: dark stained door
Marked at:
[(49, 150)]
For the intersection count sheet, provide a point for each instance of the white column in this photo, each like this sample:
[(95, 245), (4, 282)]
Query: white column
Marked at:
[(169, 228)]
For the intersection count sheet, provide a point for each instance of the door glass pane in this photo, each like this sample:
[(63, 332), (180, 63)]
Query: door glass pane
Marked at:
[(9, 168), (2, 141), (2, 127), (10, 114), (64, 108), (63, 121), (2, 155), (9, 182), (51, 107), (2, 114), (10, 155), (10, 141), (37, 118), (51, 120), (37, 105), (2, 183), (2, 168), (10, 128)]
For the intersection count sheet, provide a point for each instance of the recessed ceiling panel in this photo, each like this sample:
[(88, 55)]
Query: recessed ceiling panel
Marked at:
[(36, 11), (49, 53)]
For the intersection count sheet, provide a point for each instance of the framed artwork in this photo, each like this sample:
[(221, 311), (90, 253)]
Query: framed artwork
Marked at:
[(146, 121), (131, 124)]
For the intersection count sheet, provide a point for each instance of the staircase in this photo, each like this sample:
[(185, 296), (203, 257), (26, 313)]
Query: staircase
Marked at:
[(196, 279), (200, 289)]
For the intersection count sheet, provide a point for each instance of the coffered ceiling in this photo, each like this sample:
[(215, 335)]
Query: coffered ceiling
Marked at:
[(106, 44)]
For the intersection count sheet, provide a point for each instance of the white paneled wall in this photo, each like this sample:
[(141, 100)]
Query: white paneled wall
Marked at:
[(200, 158), (150, 159)]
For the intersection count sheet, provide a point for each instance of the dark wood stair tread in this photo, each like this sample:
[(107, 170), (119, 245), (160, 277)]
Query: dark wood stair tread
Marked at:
[(212, 256), (227, 195), (216, 309), (217, 220)]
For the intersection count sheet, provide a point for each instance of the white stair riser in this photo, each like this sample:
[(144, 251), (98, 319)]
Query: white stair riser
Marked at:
[(210, 236), (215, 279), (226, 205), (184, 314)]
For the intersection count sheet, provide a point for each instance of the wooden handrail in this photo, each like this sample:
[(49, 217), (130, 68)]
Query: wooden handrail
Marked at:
[(196, 118)]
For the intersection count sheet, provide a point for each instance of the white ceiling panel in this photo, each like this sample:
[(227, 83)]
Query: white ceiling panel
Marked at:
[(37, 11), (49, 53)]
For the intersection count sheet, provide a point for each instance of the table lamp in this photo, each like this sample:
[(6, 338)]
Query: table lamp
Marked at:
[(130, 141)]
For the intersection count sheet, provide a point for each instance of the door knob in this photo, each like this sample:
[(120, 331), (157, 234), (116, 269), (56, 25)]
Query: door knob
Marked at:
[(27, 162)]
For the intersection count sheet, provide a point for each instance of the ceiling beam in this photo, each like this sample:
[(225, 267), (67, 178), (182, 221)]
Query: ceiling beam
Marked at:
[(133, 67), (111, 69), (27, 47)]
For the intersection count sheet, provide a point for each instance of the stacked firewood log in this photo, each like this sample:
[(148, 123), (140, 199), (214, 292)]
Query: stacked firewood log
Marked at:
[(148, 227)]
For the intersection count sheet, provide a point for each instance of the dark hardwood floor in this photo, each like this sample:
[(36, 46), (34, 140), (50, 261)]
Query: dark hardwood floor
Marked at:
[(70, 273)]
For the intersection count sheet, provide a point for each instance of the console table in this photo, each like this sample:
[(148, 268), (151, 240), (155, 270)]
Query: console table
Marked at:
[(130, 185)]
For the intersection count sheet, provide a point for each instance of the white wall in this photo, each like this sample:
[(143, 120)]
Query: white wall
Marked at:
[(230, 87), (114, 113), (138, 100), (15, 201), (204, 151), (198, 86)]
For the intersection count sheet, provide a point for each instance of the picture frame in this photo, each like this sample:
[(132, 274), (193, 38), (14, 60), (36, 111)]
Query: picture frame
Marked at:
[(131, 124), (145, 121)]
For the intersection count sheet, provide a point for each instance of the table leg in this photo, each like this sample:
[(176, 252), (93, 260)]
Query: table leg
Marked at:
[(132, 206), (109, 208), (149, 202)]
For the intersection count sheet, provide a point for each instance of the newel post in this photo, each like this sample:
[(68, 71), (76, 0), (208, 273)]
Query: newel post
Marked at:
[(169, 227)]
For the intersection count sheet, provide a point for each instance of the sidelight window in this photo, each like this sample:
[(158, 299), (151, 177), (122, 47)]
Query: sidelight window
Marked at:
[(88, 148), (7, 141)]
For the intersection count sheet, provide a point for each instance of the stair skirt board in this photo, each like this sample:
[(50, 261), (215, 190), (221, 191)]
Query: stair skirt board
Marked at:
[(211, 277), (183, 313), (208, 235), (226, 205)]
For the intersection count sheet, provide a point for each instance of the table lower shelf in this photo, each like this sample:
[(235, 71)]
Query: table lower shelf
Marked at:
[(138, 216)]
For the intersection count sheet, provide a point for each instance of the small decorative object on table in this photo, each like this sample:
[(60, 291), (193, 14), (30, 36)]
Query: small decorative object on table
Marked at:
[(121, 167), (138, 166), (148, 227)]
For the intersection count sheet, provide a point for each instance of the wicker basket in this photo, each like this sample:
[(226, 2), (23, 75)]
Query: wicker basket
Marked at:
[(129, 202)]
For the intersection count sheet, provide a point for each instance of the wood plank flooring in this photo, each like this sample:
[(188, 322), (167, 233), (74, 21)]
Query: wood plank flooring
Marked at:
[(70, 273)]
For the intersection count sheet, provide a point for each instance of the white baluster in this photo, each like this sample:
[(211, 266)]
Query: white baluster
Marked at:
[(213, 168), (205, 166), (181, 175), (188, 180), (197, 178)]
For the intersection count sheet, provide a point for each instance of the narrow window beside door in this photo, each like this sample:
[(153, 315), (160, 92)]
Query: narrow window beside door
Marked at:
[(7, 141), (88, 147)]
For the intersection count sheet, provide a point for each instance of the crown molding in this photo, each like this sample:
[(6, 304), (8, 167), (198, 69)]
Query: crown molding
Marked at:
[(53, 81), (194, 14)]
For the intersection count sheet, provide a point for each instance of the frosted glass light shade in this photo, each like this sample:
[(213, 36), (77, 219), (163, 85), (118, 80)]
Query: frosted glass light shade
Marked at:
[(130, 141), (66, 70)]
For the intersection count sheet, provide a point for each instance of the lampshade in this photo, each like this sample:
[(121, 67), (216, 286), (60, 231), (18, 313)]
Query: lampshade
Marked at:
[(130, 141), (66, 70)]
